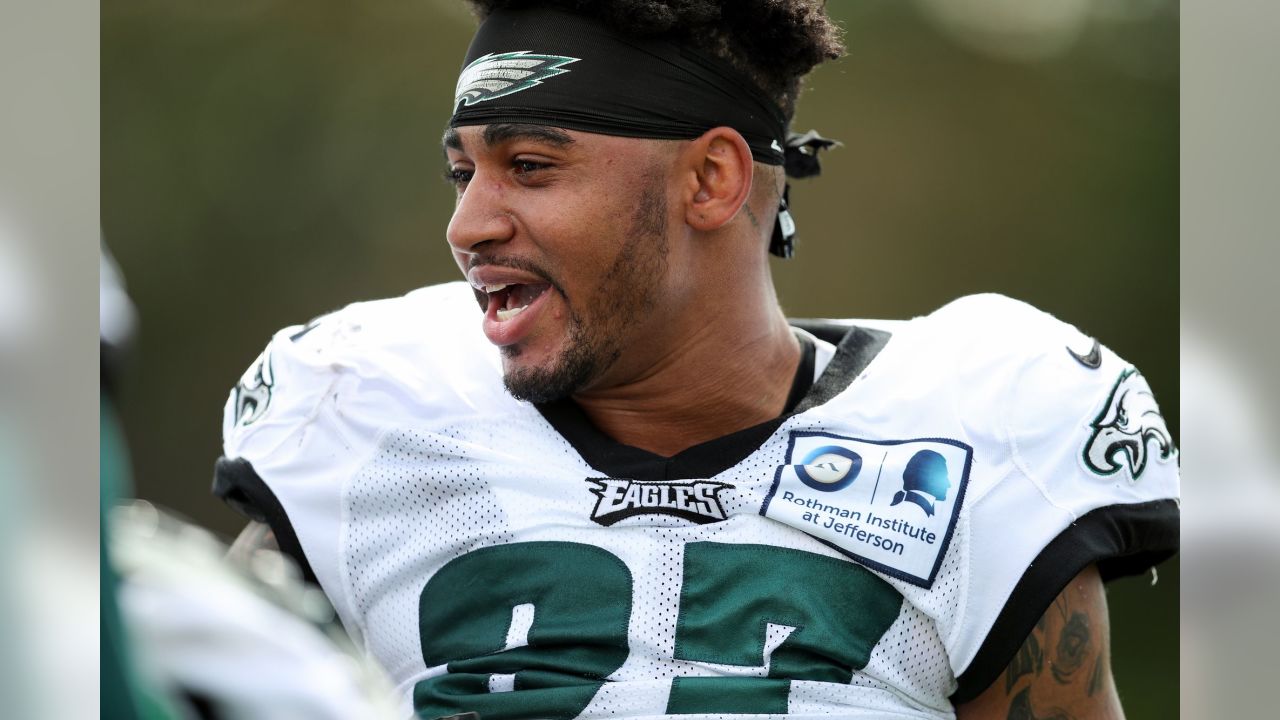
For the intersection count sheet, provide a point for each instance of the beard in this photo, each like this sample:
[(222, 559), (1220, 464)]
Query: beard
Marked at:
[(628, 294)]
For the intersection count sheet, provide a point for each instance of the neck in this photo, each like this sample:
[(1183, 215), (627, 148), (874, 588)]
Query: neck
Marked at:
[(726, 375)]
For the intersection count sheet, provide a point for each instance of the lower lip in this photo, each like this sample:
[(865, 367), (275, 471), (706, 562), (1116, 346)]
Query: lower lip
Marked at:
[(510, 332)]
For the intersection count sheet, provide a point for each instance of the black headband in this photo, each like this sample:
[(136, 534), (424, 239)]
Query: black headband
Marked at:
[(551, 67)]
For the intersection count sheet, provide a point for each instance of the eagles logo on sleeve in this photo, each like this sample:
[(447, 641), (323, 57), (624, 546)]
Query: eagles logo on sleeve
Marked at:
[(1129, 426), (253, 392)]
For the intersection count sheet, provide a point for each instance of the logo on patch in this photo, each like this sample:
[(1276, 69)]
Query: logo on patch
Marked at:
[(1128, 428), (253, 392), (499, 74), (924, 481), (620, 498), (829, 468)]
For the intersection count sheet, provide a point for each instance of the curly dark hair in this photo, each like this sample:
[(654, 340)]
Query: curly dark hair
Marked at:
[(773, 42)]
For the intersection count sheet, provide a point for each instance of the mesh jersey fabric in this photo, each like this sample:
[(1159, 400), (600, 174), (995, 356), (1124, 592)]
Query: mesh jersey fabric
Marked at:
[(457, 532)]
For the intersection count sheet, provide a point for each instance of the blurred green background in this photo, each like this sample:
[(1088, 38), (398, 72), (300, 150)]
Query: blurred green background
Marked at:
[(265, 161)]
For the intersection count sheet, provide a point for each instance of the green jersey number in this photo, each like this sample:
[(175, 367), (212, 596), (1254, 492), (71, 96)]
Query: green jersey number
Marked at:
[(576, 638), (828, 612)]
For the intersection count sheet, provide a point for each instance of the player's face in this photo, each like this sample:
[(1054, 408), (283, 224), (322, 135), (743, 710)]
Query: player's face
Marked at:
[(563, 236)]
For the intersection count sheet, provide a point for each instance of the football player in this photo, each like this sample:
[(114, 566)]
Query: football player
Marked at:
[(606, 477)]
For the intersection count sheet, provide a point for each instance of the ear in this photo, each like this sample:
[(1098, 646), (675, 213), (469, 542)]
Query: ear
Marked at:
[(720, 169)]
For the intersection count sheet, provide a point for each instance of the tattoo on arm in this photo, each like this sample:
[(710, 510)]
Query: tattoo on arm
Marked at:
[(1096, 676), (1073, 647), (1060, 604), (1020, 709), (1028, 661), (1061, 671)]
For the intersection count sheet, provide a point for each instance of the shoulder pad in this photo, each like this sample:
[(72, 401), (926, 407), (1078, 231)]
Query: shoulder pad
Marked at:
[(422, 348)]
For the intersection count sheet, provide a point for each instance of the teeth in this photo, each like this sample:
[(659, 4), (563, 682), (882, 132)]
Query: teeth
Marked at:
[(505, 315), (495, 288)]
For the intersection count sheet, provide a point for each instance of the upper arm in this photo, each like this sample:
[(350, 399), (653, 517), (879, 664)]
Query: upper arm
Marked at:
[(276, 404), (1062, 671)]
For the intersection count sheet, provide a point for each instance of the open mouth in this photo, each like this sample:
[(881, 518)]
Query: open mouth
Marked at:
[(509, 300)]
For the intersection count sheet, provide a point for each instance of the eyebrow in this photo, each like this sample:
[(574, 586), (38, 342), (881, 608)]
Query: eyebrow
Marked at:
[(452, 139), (499, 133)]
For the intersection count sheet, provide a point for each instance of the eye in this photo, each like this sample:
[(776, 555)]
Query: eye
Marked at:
[(526, 167), (458, 177)]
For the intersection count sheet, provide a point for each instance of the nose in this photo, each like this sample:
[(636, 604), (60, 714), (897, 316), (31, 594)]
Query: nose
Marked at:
[(481, 216)]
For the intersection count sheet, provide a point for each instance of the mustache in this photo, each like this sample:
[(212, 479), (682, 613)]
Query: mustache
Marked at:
[(516, 263)]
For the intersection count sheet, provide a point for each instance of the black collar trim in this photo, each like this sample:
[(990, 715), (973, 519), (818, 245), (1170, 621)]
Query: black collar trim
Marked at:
[(856, 349)]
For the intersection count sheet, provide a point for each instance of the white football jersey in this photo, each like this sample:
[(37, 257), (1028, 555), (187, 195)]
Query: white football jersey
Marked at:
[(880, 551)]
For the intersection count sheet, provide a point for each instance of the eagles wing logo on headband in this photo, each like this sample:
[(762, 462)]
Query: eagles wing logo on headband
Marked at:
[(495, 75)]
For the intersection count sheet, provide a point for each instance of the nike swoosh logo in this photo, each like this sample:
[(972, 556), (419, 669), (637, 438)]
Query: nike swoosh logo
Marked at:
[(1093, 360)]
